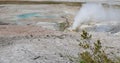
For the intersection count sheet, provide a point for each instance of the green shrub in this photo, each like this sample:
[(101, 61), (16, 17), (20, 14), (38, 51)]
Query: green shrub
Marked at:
[(95, 53)]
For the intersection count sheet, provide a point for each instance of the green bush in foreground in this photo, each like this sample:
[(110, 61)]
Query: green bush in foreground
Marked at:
[(93, 53)]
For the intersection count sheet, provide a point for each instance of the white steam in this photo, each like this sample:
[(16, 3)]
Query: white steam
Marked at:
[(96, 12)]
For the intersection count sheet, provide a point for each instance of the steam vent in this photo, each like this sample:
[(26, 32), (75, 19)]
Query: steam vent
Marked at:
[(59, 31)]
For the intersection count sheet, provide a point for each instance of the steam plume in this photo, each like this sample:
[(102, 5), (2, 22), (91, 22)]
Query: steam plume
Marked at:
[(96, 12)]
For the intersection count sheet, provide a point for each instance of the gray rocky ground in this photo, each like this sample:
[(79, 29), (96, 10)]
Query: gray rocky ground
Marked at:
[(31, 34)]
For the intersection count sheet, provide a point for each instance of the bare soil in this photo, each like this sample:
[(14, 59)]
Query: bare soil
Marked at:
[(36, 44)]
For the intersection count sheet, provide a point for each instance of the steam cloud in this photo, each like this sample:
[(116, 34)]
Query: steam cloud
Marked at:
[(96, 12)]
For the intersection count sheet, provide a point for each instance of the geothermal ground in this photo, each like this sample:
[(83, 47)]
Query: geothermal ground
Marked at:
[(36, 34)]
